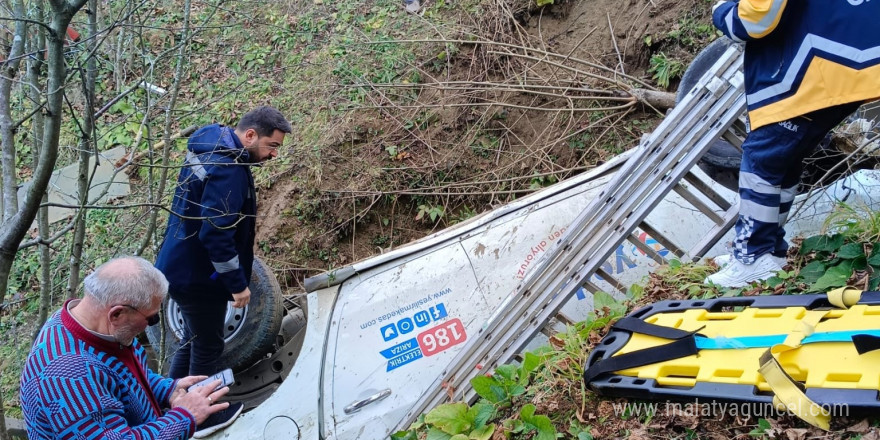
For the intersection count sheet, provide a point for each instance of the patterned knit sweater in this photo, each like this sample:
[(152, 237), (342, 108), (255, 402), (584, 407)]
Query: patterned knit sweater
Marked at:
[(76, 385)]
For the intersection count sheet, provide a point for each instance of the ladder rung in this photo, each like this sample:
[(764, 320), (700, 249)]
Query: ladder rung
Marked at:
[(666, 243), (714, 234), (565, 320), (591, 287), (648, 250), (608, 278), (697, 203), (733, 136), (707, 190)]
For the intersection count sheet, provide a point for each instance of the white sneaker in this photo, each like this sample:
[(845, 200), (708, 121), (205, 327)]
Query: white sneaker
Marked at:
[(724, 259), (737, 274)]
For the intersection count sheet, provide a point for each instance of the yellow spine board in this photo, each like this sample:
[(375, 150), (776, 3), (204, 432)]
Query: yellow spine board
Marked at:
[(816, 365)]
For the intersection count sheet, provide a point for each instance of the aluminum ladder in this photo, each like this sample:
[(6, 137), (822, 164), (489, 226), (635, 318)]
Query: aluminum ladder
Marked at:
[(661, 162)]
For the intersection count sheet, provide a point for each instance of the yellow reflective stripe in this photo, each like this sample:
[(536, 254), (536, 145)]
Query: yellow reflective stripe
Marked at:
[(844, 297), (760, 17), (789, 397), (825, 84)]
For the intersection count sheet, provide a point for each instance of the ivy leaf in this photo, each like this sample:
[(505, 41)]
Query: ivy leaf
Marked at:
[(821, 243), (517, 390), (812, 272), (506, 371), (774, 281), (484, 387), (481, 413), (860, 263), (539, 423), (484, 433), (436, 434), (874, 259), (404, 435), (530, 362), (602, 300), (835, 277), (514, 426), (874, 281), (452, 418), (851, 251)]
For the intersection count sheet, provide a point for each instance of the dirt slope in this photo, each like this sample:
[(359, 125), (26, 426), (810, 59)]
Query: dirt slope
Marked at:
[(432, 145)]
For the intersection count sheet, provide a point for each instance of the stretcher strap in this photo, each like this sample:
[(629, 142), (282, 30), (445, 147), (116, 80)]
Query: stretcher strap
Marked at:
[(646, 356), (804, 328), (864, 340), (788, 393), (789, 396), (844, 297), (636, 325), (865, 343)]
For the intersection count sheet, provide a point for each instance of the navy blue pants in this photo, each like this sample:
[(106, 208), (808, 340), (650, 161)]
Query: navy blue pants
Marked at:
[(202, 343), (769, 175)]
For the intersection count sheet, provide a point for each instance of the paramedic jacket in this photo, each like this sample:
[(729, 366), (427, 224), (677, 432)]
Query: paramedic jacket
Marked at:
[(211, 253), (804, 55)]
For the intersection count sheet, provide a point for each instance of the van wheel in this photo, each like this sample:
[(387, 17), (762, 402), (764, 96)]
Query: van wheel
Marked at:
[(250, 333)]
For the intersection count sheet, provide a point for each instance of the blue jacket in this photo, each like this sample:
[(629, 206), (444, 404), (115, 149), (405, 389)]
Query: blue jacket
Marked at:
[(804, 55), (209, 243)]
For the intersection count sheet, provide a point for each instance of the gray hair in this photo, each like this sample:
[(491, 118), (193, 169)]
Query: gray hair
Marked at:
[(126, 280)]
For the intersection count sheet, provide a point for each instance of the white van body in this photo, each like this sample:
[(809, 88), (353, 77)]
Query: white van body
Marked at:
[(381, 331)]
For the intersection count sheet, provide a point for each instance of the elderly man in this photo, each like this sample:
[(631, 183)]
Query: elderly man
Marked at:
[(86, 376)]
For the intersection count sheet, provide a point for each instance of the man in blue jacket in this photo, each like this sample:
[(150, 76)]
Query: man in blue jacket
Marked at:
[(208, 253), (808, 65)]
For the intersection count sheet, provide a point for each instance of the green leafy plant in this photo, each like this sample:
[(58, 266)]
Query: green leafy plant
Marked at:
[(761, 429), (463, 214), (834, 258), (508, 381), (529, 422), (485, 146), (665, 69), (453, 421), (539, 182), (428, 211)]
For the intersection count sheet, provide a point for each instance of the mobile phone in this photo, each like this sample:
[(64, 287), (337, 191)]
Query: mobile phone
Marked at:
[(224, 376)]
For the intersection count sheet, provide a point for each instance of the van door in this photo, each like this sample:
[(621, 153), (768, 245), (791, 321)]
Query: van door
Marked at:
[(394, 329)]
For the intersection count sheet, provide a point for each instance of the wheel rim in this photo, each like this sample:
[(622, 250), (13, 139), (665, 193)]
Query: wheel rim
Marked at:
[(232, 322)]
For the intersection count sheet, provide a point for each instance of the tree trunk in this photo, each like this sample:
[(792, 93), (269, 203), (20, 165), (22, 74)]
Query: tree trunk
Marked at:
[(20, 218), (86, 149), (7, 134), (34, 90), (166, 135)]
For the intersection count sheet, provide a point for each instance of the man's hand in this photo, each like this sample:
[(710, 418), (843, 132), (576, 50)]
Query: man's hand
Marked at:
[(201, 402), (242, 298), (181, 386)]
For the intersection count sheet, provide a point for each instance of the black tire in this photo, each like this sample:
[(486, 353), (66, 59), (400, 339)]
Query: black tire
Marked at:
[(722, 157), (250, 336)]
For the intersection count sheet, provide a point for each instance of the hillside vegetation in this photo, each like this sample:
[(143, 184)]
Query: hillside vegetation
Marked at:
[(403, 124)]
